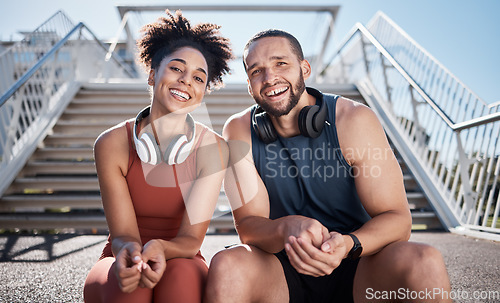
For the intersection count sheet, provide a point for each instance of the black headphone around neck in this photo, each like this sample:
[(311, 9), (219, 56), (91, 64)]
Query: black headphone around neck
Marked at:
[(311, 120)]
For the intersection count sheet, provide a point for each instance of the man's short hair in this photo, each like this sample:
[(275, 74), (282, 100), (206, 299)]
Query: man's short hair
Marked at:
[(294, 43)]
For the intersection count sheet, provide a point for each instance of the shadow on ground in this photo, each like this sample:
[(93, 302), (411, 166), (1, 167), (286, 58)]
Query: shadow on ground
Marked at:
[(43, 248)]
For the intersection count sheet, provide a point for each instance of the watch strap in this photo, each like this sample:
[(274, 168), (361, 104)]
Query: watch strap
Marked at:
[(356, 249)]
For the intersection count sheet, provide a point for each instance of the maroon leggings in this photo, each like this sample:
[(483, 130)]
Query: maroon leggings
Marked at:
[(183, 281)]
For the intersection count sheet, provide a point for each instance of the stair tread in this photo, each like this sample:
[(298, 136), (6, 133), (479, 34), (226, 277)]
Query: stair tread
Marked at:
[(65, 148), (71, 135), (415, 195), (55, 198), (106, 105), (62, 162), (85, 99), (423, 214), (102, 111), (57, 179), (76, 122)]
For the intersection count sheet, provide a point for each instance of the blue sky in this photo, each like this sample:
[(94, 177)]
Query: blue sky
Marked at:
[(462, 34)]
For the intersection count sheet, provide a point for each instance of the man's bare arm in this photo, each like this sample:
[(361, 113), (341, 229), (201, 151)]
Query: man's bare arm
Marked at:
[(250, 201)]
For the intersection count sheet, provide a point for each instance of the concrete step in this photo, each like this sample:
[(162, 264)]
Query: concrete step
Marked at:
[(81, 221), (64, 170), (71, 193), (417, 200), (40, 202), (93, 115), (35, 167), (410, 184), (70, 140), (425, 221), (64, 153), (78, 126), (49, 221), (124, 100), (224, 223), (51, 184)]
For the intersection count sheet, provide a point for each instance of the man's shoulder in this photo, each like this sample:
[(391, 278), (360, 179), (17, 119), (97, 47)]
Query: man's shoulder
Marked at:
[(353, 111), (238, 124)]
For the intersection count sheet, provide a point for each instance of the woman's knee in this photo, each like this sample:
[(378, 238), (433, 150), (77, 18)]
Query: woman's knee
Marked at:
[(101, 285), (184, 280), (187, 268)]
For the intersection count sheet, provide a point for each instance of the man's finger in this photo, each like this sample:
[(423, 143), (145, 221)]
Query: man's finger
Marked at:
[(297, 263), (304, 259)]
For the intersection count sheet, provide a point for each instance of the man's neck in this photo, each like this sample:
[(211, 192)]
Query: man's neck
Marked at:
[(287, 125)]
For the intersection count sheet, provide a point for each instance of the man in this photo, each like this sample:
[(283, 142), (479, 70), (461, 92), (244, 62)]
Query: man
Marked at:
[(318, 199)]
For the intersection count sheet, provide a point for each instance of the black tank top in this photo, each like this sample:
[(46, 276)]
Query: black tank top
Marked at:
[(310, 177)]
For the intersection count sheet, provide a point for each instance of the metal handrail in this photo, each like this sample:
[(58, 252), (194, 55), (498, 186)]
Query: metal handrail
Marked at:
[(405, 75), (50, 53), (125, 67), (32, 104), (454, 155), (37, 66), (126, 10), (58, 13), (454, 126), (380, 15), (454, 97)]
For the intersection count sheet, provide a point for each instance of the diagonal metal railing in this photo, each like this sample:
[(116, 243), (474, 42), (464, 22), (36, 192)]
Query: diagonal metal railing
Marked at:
[(447, 134), (40, 75), (16, 60)]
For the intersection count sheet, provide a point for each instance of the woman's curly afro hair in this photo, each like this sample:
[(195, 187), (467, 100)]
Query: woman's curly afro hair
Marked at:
[(170, 33)]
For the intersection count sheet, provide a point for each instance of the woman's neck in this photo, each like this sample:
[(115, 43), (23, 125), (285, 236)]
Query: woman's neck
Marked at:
[(166, 126)]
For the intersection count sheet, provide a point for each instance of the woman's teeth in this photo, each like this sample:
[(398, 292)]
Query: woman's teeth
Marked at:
[(180, 94)]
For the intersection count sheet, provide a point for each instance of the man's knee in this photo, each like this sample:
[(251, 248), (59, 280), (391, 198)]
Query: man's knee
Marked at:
[(226, 274), (416, 261), (228, 263)]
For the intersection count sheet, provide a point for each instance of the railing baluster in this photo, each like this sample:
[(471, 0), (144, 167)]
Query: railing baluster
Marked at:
[(459, 128), (38, 72)]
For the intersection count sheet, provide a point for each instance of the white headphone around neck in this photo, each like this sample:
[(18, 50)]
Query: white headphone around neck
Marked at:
[(148, 150)]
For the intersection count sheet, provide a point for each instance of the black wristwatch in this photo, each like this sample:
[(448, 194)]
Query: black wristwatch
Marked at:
[(356, 249)]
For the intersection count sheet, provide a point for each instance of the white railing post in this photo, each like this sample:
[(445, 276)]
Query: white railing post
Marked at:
[(469, 196), (388, 88), (417, 128), (31, 105), (365, 56), (443, 125)]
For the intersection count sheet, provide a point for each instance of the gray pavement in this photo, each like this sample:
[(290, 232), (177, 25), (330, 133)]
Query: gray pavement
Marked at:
[(52, 268)]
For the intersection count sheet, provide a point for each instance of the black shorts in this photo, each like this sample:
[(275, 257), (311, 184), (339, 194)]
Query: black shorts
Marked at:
[(336, 287)]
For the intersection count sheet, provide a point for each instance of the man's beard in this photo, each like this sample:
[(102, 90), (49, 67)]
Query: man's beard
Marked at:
[(292, 101)]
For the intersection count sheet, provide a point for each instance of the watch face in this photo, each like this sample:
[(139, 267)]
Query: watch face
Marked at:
[(356, 249)]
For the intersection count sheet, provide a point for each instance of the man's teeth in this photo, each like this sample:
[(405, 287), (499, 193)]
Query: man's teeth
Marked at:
[(276, 91), (180, 94)]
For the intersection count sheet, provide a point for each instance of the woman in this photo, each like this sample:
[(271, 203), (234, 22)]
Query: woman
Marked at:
[(160, 173)]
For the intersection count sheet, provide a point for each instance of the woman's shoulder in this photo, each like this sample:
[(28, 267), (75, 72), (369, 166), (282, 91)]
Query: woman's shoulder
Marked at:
[(114, 140), (211, 145), (207, 135), (115, 133)]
